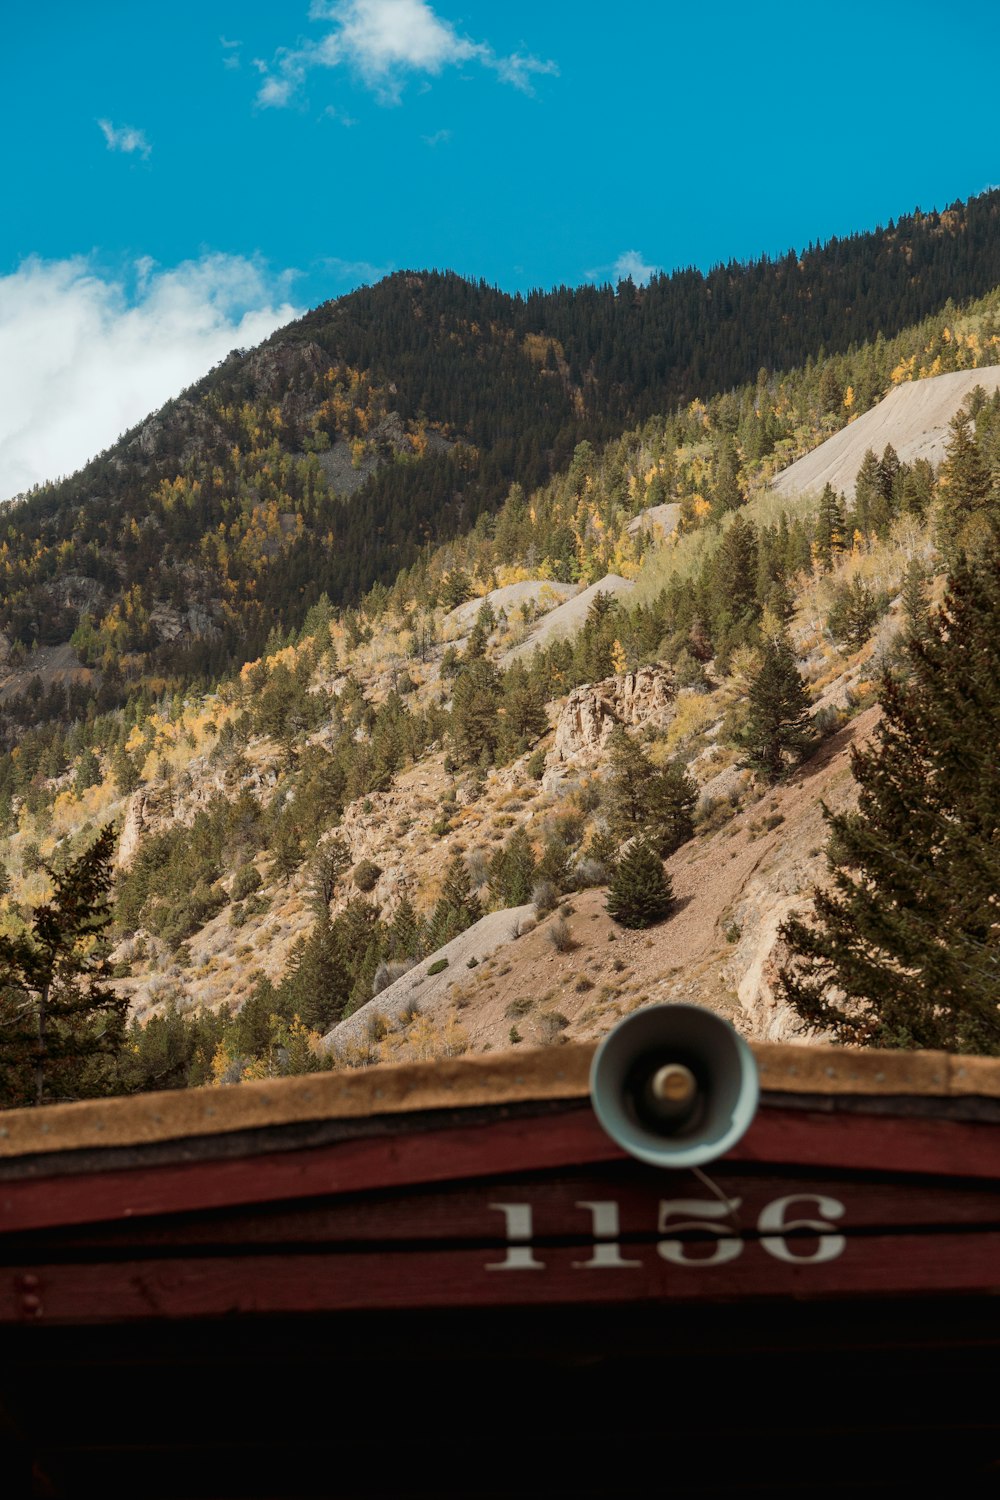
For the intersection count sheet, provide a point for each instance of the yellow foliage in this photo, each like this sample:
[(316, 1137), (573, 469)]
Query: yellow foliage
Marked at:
[(220, 1062), (424, 1039)]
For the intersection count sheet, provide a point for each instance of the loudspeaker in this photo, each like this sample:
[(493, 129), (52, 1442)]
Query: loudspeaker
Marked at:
[(674, 1085)]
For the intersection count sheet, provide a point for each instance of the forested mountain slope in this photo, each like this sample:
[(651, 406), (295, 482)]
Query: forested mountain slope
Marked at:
[(393, 418), (292, 842)]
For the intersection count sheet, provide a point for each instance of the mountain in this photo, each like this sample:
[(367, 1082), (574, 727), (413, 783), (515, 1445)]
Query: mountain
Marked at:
[(365, 812), (395, 418)]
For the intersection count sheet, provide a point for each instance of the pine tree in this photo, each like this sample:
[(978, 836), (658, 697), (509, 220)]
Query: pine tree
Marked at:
[(729, 493), (60, 1024), (890, 485), (474, 711), (964, 480), (644, 799), (830, 527), (404, 931), (640, 893), (915, 597), (854, 613), (777, 722), (904, 950), (331, 861), (457, 907), (512, 870), (867, 490)]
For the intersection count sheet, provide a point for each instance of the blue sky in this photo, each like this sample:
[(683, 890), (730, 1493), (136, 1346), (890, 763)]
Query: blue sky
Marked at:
[(180, 180)]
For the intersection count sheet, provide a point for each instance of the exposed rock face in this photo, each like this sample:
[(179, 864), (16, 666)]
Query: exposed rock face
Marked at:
[(77, 592), (149, 809), (280, 371), (592, 712), (159, 432), (163, 804), (170, 622), (659, 520)]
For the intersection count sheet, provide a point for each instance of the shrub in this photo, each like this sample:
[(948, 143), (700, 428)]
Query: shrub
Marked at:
[(552, 1024), (545, 896), (589, 872), (520, 1007), (245, 882), (388, 972), (560, 936), (536, 765), (366, 875), (438, 966)]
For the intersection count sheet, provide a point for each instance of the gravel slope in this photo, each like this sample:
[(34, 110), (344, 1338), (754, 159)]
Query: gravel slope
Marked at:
[(568, 618), (419, 991), (543, 593), (913, 418)]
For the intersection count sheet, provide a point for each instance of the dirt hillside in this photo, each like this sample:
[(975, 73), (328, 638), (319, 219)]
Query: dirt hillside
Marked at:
[(571, 976)]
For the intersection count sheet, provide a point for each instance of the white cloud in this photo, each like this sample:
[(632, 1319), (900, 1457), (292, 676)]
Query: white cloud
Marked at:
[(83, 356), (354, 272), (439, 138), (125, 138), (230, 52), (629, 264), (381, 41)]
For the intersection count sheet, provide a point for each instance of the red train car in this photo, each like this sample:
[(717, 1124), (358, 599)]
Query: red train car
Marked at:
[(437, 1280)]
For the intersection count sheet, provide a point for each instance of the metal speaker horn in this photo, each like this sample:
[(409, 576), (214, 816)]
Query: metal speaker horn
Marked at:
[(674, 1085)]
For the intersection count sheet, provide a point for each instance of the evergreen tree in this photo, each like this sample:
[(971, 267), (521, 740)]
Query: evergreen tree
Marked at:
[(777, 722), (829, 534), (522, 713), (729, 493), (512, 870), (88, 771), (914, 596), (867, 489), (60, 1025), (457, 907), (474, 711), (963, 482), (640, 893), (644, 799), (890, 486), (854, 613), (405, 936), (331, 861), (672, 799), (904, 950)]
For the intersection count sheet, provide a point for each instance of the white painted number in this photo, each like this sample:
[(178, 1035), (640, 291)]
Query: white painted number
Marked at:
[(772, 1218), (678, 1216), (677, 1251), (520, 1256), (606, 1256)]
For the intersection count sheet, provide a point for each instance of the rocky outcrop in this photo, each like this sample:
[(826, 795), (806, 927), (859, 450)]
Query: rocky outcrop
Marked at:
[(591, 713), (163, 804), (170, 622), (149, 809)]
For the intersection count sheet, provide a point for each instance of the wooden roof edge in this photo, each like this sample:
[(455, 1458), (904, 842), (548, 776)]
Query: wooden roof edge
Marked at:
[(455, 1083)]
